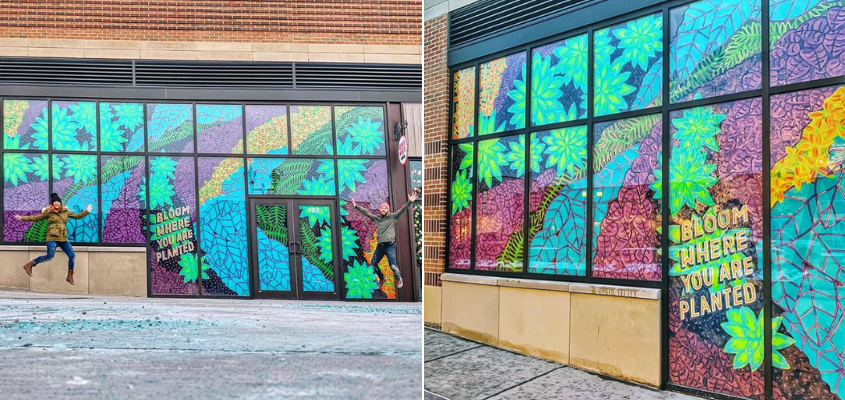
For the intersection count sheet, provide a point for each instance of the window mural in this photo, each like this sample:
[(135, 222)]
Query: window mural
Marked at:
[(360, 131), (25, 125), (124, 203), (311, 130), (557, 201), (174, 267), (170, 128), (318, 246), (461, 206), (267, 129), (501, 94), (122, 127), (806, 40), (220, 128), (808, 209), (364, 181), (715, 233), (223, 228), (74, 126), (75, 181), (25, 190), (463, 121), (416, 169), (273, 255), (500, 204), (292, 176), (715, 49), (627, 198), (628, 69), (559, 81)]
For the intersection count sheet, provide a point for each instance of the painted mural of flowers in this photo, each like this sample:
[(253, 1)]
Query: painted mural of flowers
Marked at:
[(111, 137), (41, 168), (640, 40), (189, 270), (573, 61), (81, 168), (130, 115), (64, 130), (360, 281), (698, 127), (545, 91), (566, 149), (691, 177), (746, 343), (516, 155), (40, 129), (611, 87), (461, 192), (15, 168), (487, 125), (349, 242), (517, 109), (367, 135), (320, 185), (349, 172), (324, 242)]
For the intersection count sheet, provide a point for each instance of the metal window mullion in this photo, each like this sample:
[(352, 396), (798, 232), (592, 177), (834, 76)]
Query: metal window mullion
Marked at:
[(665, 193), (100, 216), (475, 189), (767, 198), (526, 191), (197, 200), (590, 214)]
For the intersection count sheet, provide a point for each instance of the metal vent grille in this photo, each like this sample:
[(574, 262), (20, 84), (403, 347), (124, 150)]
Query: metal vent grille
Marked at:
[(65, 72), (488, 18), (146, 73)]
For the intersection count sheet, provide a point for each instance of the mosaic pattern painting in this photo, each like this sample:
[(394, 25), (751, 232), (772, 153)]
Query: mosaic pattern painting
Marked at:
[(463, 115), (807, 229), (311, 130), (220, 128), (292, 176), (501, 94), (360, 131), (500, 204), (75, 180), (557, 201), (25, 124), (170, 128), (627, 198), (25, 191), (715, 234), (318, 247), (715, 49), (74, 126), (807, 40), (559, 81), (272, 241), (365, 181), (124, 203), (223, 227), (267, 129), (174, 266), (628, 69), (461, 206), (121, 127)]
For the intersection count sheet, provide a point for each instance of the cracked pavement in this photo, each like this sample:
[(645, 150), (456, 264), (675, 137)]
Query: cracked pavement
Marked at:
[(94, 347)]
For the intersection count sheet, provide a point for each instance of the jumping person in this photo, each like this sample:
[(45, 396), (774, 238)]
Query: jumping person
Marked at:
[(56, 215), (386, 232)]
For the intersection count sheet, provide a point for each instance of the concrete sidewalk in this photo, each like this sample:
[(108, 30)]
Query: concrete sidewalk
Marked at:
[(458, 369), (90, 347)]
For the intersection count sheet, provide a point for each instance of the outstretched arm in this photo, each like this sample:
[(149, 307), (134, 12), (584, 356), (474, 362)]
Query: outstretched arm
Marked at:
[(38, 217), (81, 215), (363, 210), (411, 199)]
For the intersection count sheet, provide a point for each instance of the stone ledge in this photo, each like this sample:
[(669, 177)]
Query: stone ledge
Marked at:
[(476, 279), (573, 287), (617, 291), (533, 284), (77, 249)]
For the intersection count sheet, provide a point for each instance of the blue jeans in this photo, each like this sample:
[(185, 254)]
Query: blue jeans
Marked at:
[(389, 250), (51, 251)]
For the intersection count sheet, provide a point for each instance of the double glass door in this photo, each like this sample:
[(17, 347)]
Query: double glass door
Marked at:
[(293, 248)]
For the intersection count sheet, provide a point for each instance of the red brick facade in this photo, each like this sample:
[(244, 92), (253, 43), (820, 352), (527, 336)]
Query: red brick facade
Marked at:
[(389, 22), (436, 128)]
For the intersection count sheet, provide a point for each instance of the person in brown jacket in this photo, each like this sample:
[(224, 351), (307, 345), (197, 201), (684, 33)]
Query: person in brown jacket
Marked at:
[(56, 215)]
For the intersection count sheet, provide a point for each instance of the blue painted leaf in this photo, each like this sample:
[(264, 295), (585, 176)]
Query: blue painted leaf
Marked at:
[(784, 10), (650, 88)]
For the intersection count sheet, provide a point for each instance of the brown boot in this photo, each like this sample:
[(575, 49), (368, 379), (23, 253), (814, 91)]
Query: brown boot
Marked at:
[(70, 277), (28, 267)]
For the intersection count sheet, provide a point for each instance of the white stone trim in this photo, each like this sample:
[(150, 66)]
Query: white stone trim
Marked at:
[(77, 249), (573, 287)]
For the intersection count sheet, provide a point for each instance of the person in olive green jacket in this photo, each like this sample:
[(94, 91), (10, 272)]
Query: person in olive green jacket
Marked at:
[(56, 215)]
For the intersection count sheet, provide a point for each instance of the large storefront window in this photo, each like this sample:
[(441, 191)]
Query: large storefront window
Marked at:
[(181, 179), (653, 172)]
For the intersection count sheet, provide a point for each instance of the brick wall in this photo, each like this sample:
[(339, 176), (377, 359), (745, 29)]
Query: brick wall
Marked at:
[(390, 22), (436, 133)]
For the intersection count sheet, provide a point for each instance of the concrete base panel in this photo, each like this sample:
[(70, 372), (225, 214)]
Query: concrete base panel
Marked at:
[(11, 273), (535, 322), (471, 311), (49, 277), (432, 296), (121, 274)]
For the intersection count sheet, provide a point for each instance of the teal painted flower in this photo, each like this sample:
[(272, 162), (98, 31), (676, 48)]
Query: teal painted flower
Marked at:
[(466, 162), (516, 155), (698, 127), (82, 168), (367, 134), (491, 156), (461, 192), (487, 125), (640, 40), (85, 116), (40, 130), (349, 172), (517, 109), (545, 93), (345, 148), (360, 281), (164, 166), (111, 137), (142, 193), (316, 215), (747, 339), (130, 115), (602, 48), (320, 185), (58, 166), (189, 271), (161, 191), (611, 88), (349, 242), (41, 167), (15, 168), (567, 150), (690, 179), (64, 130), (13, 143), (324, 242), (573, 61)]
